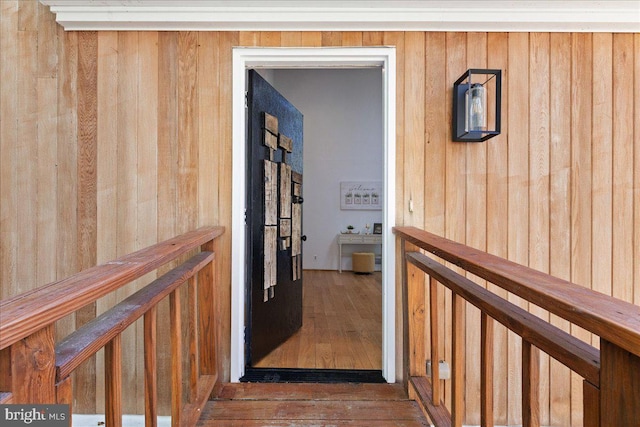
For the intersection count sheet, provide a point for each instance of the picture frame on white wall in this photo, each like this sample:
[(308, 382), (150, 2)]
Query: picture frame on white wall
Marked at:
[(361, 195)]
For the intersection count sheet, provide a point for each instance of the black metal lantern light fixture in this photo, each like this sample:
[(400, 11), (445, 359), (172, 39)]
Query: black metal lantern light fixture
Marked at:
[(476, 105)]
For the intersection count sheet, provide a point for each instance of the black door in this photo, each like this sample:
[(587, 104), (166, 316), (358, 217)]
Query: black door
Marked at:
[(274, 219)]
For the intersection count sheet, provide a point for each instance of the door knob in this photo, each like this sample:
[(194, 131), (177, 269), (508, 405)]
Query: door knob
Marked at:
[(303, 238)]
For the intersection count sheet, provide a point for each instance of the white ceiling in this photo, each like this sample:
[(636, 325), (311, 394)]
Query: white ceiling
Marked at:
[(361, 15)]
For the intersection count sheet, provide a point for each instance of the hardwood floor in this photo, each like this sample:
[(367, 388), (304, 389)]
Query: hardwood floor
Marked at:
[(251, 404), (342, 324)]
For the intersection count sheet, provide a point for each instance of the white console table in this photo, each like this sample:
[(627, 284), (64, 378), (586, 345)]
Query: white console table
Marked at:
[(356, 239)]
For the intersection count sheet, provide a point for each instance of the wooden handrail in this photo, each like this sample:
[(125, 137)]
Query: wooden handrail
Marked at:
[(28, 312), (565, 348), (92, 336), (614, 320), (612, 373), (29, 355)]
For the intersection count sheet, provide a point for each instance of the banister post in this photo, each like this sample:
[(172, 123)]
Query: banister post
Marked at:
[(33, 368), (619, 386)]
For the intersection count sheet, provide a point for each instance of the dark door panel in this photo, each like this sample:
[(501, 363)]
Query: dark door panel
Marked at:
[(274, 177)]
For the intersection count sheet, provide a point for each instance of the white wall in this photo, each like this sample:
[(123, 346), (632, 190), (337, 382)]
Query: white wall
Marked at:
[(342, 142)]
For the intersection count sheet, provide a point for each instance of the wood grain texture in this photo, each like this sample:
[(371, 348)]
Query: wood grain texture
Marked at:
[(530, 385), (497, 216), (486, 371), (113, 382), (32, 373), (50, 131), (30, 312), (539, 177), (150, 367), (620, 388), (576, 354), (84, 342), (341, 325), (311, 404), (559, 208)]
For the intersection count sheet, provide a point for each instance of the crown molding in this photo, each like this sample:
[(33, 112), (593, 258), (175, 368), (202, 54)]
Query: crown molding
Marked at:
[(344, 15)]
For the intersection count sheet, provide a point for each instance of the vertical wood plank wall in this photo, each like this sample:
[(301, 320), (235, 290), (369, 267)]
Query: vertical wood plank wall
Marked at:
[(112, 141)]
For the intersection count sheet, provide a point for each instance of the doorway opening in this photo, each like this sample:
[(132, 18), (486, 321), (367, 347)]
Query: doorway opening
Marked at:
[(312, 58)]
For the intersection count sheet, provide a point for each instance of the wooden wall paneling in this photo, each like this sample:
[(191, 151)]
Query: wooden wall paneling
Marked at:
[(223, 244), (249, 38), (187, 195), (397, 39), (455, 170), (623, 168), (127, 191), (581, 185), (188, 152), (270, 39), (636, 162), (476, 234), (414, 170), (518, 199), (27, 16), (352, 38), (331, 38), (291, 38), (147, 175), (312, 38), (46, 189), (66, 185), (26, 145), (559, 209), (8, 141), (208, 99), (85, 383), (602, 155), (436, 91), (167, 185), (107, 178), (497, 197), (46, 93), (47, 43), (539, 148), (372, 38)]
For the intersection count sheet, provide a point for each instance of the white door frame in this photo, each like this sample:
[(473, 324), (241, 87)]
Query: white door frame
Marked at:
[(243, 58)]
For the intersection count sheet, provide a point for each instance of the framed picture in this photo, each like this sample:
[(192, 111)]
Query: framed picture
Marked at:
[(361, 195), (377, 228)]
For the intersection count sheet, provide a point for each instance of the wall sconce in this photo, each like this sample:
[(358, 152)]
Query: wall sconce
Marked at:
[(476, 105)]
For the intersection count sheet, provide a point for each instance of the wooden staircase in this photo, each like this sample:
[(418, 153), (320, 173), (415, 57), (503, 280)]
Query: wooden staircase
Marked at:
[(270, 404)]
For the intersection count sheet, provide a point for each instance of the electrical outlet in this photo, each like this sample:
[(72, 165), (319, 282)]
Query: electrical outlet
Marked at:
[(444, 371)]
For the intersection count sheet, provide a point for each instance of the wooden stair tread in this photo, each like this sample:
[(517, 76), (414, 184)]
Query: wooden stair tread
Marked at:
[(311, 404), (310, 391)]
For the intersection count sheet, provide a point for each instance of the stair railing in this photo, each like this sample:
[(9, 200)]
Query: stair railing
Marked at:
[(611, 386), (34, 369)]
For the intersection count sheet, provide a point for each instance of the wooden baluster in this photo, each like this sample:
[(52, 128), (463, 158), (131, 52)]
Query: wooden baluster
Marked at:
[(194, 368), (457, 374), (530, 385), (113, 382), (591, 405), (435, 357), (150, 368), (176, 358), (486, 370), (206, 315)]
